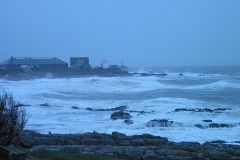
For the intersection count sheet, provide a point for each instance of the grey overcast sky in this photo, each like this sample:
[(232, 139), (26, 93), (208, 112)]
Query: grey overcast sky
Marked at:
[(137, 32)]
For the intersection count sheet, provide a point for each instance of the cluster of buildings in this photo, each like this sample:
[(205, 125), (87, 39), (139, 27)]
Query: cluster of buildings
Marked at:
[(51, 63)]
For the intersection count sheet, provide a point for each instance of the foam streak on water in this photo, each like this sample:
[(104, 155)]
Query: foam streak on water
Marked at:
[(147, 98)]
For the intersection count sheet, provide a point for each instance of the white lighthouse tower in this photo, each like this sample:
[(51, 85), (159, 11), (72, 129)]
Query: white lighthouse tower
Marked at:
[(104, 64)]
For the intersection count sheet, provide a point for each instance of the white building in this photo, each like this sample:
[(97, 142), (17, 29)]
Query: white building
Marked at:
[(104, 64)]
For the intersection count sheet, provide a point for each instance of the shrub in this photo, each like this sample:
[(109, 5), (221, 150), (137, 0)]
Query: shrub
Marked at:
[(12, 119)]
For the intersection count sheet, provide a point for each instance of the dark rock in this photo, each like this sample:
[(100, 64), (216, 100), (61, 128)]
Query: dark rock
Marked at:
[(153, 74), (90, 142), (183, 109), (133, 153), (180, 74), (216, 154), (199, 126), (150, 155), (124, 142), (21, 105), (214, 125), (207, 120), (109, 142), (27, 143), (145, 74), (218, 141), (44, 104), (120, 115), (128, 121), (120, 108), (156, 142), (204, 110), (159, 123), (118, 135), (181, 153), (222, 109), (201, 109), (224, 125), (74, 107), (164, 151), (118, 145), (162, 74), (138, 142)]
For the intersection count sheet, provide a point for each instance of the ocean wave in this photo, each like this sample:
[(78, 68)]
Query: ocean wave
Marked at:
[(221, 84)]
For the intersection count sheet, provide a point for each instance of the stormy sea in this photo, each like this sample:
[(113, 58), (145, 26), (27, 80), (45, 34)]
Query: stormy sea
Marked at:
[(187, 104)]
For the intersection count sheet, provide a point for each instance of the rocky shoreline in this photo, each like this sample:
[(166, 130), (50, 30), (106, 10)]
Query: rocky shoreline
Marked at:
[(136, 147)]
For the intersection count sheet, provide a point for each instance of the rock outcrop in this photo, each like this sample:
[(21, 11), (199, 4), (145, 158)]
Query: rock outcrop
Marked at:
[(136, 147), (120, 115)]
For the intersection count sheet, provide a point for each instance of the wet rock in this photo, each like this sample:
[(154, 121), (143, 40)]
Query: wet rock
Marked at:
[(207, 120), (218, 110), (214, 125), (120, 115), (119, 108), (44, 104), (128, 121), (90, 142), (118, 135), (159, 123), (21, 105), (203, 110), (218, 141), (74, 107), (216, 154), (152, 74), (145, 74), (181, 109), (222, 109), (150, 155), (162, 74), (133, 153), (224, 125), (184, 109), (199, 126), (121, 146)]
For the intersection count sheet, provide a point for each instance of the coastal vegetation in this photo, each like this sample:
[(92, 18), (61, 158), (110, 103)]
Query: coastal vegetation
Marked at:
[(12, 119)]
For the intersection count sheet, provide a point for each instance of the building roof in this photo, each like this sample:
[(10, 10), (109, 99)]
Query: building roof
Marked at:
[(74, 60), (31, 60)]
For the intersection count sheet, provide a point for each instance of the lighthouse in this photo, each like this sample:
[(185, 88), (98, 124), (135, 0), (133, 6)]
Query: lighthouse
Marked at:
[(104, 64)]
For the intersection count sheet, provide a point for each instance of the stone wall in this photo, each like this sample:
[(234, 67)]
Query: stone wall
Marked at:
[(137, 147)]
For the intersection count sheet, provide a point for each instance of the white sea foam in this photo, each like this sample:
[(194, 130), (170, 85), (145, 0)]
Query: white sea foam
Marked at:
[(110, 92), (221, 84)]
